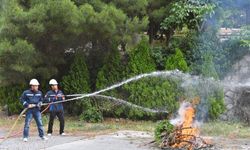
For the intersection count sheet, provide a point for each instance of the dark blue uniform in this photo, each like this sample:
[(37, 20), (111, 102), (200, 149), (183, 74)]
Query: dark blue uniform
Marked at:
[(55, 109), (32, 97)]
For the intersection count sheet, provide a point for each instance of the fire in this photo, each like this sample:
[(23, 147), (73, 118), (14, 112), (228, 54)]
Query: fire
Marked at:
[(188, 131)]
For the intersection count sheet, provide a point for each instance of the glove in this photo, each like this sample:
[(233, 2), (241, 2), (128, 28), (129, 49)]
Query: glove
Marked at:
[(39, 104)]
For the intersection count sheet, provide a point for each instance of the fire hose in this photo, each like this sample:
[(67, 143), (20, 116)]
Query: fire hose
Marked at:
[(95, 94), (120, 101), (8, 135)]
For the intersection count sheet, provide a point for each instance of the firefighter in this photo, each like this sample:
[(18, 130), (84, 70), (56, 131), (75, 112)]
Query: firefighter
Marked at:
[(55, 95), (32, 99)]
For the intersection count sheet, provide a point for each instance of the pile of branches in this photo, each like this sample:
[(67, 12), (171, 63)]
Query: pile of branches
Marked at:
[(168, 136), (176, 139)]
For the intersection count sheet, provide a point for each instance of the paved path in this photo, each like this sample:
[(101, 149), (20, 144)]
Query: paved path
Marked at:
[(35, 143), (122, 140)]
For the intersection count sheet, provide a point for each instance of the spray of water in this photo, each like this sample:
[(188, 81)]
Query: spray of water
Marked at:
[(188, 83), (123, 102)]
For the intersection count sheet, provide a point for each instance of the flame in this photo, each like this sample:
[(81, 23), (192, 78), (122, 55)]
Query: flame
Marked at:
[(188, 130), (186, 134)]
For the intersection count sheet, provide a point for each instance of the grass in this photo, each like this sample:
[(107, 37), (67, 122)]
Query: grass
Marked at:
[(76, 127), (226, 129)]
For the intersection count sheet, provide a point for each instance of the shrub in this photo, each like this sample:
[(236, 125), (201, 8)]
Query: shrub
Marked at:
[(92, 115), (177, 61), (163, 127), (10, 96), (153, 93), (77, 81), (140, 59), (208, 67), (217, 106), (112, 70), (150, 92)]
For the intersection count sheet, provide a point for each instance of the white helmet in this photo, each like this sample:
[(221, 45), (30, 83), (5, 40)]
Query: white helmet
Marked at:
[(53, 82), (34, 82)]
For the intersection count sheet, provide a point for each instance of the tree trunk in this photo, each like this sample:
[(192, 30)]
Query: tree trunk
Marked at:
[(169, 34), (151, 32)]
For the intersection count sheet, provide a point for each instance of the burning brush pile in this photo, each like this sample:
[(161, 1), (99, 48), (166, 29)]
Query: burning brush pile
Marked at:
[(182, 132)]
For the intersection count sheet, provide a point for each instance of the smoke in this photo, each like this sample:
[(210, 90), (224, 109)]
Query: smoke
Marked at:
[(221, 38), (178, 120)]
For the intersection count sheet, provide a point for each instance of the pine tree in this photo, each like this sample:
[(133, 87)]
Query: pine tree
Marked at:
[(150, 92), (77, 81), (207, 68), (177, 61)]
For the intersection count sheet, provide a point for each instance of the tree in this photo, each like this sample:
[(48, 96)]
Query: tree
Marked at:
[(151, 92), (157, 11), (234, 13), (9, 96), (140, 60), (177, 61), (77, 81), (39, 31), (117, 30), (112, 70), (191, 13), (16, 69), (54, 28), (133, 8), (208, 69)]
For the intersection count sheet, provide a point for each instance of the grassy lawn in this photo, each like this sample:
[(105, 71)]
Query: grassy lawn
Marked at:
[(226, 129), (76, 127)]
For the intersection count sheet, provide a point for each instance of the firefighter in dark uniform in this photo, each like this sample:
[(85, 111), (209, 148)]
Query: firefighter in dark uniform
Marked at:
[(55, 95)]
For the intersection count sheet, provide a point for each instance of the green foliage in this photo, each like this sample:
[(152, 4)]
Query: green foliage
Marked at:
[(245, 43), (208, 67), (9, 96), (245, 37), (16, 69), (112, 70), (217, 106), (140, 60), (159, 56), (207, 55), (157, 12), (153, 92), (92, 115), (234, 13), (77, 81), (50, 28), (187, 12), (163, 127), (39, 31), (177, 61), (132, 7), (37, 38)]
